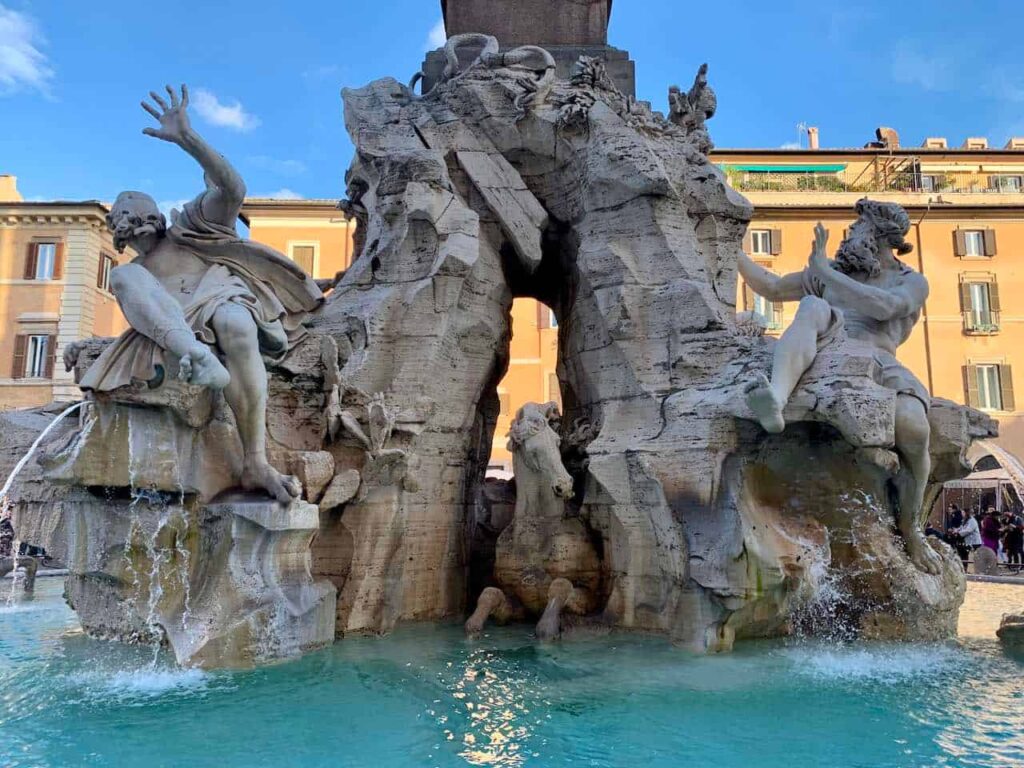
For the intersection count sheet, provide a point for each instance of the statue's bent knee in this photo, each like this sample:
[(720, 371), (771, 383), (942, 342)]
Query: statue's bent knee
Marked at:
[(816, 307)]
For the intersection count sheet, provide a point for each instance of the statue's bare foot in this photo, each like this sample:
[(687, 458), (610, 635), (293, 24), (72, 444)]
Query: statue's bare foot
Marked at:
[(202, 368), (921, 553), (260, 476), (765, 404)]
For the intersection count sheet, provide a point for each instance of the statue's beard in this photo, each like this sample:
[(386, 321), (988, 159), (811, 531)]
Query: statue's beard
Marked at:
[(857, 258), (124, 236)]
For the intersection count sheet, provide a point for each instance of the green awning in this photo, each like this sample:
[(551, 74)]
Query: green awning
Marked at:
[(787, 168)]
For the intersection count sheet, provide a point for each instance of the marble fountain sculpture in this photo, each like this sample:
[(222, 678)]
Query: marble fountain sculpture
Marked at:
[(262, 470)]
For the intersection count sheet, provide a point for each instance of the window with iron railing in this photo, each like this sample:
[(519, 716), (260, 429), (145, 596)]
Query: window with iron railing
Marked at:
[(979, 300)]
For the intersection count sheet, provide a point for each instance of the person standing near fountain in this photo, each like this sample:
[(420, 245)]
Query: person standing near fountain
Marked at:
[(200, 298), (867, 295)]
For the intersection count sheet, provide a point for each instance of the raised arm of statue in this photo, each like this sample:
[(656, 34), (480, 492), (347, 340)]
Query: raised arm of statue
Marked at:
[(225, 190), (880, 304), (773, 287)]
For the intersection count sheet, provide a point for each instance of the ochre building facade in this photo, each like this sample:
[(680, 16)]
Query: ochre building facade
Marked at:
[(55, 262), (967, 211)]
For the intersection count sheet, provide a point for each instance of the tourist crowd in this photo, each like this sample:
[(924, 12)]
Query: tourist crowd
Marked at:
[(968, 530)]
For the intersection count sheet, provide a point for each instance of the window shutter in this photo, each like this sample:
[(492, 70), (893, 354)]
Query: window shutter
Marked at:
[(966, 305), (990, 242), (748, 242), (777, 314), (20, 347), (993, 296), (971, 385), (30, 261), (58, 261), (959, 242), (748, 298), (776, 242), (542, 316), (1006, 385), (51, 356), (99, 271)]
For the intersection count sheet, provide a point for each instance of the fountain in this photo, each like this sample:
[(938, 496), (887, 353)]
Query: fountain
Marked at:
[(265, 469)]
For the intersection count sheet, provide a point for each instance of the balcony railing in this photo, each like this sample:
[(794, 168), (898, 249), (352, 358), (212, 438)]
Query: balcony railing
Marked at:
[(981, 323), (968, 182)]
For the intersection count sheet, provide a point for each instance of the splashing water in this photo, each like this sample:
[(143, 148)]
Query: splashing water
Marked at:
[(5, 503)]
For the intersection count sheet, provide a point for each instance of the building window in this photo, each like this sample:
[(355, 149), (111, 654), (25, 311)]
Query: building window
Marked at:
[(37, 356), (304, 255), (1008, 183), (107, 263), (974, 242), (767, 312), (989, 391), (44, 261), (980, 301), (989, 386), (929, 183), (761, 242), (552, 319)]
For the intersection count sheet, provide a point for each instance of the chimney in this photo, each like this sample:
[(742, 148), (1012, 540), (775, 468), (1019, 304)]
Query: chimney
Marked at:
[(1017, 142), (888, 138), (975, 142), (935, 142), (812, 138), (9, 189)]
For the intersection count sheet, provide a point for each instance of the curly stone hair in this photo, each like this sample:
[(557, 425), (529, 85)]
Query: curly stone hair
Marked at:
[(879, 225)]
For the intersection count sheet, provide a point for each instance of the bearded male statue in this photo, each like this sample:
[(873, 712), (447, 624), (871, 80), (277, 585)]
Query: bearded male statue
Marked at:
[(866, 298), (201, 300)]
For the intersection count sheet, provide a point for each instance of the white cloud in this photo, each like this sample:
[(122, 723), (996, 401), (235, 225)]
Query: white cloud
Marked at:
[(231, 116), (437, 37), (23, 66), (912, 67)]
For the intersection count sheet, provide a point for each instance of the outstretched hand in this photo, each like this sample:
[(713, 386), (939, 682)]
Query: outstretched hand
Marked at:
[(173, 117), (819, 253)]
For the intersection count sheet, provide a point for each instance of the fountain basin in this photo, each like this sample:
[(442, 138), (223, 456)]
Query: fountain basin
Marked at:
[(427, 696)]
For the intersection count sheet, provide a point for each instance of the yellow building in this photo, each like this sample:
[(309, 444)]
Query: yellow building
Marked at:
[(313, 233), (967, 206), (55, 262), (967, 209)]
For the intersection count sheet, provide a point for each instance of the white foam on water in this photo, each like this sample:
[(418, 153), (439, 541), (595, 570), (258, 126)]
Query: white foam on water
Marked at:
[(143, 683), (886, 664)]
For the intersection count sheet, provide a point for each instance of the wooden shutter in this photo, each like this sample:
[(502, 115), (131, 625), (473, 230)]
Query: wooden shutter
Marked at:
[(776, 238), (990, 242), (966, 304), (51, 356), (748, 298), (748, 242), (960, 242), (971, 385), (20, 348), (99, 271), (58, 261), (777, 314), (993, 296), (1006, 385), (31, 258)]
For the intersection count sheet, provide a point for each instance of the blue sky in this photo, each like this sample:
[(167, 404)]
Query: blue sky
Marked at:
[(266, 78)]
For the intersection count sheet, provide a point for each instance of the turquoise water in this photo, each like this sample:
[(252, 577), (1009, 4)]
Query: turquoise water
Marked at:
[(428, 697)]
